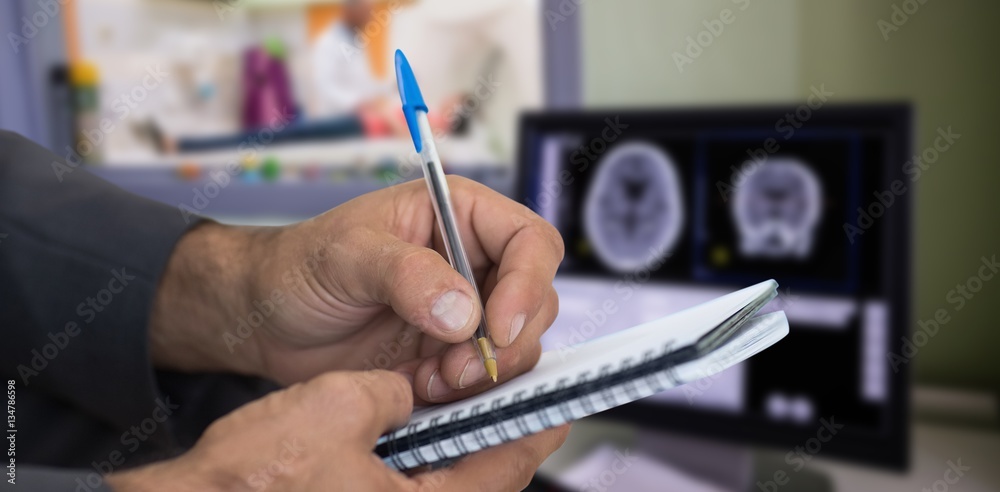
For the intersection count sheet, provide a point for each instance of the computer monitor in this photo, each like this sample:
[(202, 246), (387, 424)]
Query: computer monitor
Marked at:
[(661, 210)]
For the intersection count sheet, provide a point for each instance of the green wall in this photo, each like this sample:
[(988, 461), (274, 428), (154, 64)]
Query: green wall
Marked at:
[(943, 59)]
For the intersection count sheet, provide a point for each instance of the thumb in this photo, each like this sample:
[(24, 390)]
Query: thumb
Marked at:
[(420, 286)]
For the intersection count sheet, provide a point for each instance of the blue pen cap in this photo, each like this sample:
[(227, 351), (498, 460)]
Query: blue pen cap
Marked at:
[(409, 94)]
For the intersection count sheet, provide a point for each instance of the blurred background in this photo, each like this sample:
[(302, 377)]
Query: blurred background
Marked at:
[(736, 139)]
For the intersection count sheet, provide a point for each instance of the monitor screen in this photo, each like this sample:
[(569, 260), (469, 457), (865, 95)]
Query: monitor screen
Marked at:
[(663, 210)]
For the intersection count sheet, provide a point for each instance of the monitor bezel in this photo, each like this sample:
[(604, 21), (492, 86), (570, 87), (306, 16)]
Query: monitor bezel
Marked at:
[(889, 450)]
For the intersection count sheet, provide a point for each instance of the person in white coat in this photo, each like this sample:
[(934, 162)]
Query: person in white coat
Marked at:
[(342, 77)]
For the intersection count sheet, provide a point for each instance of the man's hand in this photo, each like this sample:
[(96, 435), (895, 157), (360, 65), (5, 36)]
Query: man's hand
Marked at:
[(363, 286), (319, 435)]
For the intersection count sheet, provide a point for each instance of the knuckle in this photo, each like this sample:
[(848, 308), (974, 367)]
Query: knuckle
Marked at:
[(555, 238), (411, 268), (394, 386), (549, 234), (354, 236), (526, 357), (336, 390), (459, 182), (552, 305), (353, 246), (531, 356), (414, 260)]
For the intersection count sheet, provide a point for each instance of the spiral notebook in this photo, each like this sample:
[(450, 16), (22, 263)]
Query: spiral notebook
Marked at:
[(570, 383)]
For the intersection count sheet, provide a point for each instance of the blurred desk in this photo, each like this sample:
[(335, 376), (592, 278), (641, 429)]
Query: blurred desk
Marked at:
[(340, 153), (278, 202), (933, 446)]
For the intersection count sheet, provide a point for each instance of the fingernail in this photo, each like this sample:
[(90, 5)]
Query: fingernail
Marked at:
[(436, 387), (515, 327), (452, 310), (473, 373)]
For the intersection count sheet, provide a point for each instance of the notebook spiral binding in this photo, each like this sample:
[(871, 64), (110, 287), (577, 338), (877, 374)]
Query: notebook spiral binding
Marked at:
[(549, 406)]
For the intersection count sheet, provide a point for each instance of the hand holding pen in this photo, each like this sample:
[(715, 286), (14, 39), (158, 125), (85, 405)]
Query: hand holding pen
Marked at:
[(415, 111)]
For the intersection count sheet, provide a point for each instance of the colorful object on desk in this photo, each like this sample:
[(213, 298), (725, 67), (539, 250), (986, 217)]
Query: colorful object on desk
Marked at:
[(387, 171), (251, 171), (339, 175), (270, 170), (310, 172), (251, 176), (267, 94), (189, 171), (275, 47), (84, 78)]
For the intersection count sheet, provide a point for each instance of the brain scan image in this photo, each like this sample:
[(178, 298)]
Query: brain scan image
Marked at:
[(776, 209), (633, 208)]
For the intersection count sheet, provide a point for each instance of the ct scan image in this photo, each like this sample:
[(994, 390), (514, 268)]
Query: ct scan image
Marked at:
[(780, 217), (777, 208), (634, 207)]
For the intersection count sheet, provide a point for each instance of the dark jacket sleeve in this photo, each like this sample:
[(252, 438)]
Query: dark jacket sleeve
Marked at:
[(36, 479), (79, 264), (80, 260)]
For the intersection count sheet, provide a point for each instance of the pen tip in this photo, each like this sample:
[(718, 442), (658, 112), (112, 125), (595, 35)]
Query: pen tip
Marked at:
[(491, 368)]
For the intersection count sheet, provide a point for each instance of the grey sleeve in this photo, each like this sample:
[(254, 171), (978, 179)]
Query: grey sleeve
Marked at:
[(80, 260), (38, 479)]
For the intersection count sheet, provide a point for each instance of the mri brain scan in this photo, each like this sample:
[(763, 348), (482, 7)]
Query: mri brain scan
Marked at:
[(776, 209), (633, 210)]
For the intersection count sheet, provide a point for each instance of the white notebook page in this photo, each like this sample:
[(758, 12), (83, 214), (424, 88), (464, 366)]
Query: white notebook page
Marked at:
[(676, 331)]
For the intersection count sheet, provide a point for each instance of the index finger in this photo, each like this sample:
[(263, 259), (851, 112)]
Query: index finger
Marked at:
[(526, 249)]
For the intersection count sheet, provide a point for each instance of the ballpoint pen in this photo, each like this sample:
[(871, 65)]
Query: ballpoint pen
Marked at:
[(415, 112)]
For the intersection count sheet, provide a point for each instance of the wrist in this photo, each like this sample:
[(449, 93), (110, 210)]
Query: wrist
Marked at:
[(205, 289), (179, 474)]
